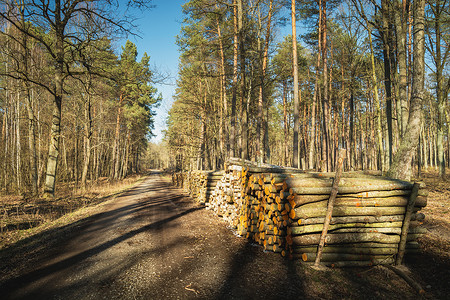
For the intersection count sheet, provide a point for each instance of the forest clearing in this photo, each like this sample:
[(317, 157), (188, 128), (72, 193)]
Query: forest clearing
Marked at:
[(310, 139)]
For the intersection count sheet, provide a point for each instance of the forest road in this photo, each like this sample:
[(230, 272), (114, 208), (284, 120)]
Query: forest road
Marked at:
[(151, 242)]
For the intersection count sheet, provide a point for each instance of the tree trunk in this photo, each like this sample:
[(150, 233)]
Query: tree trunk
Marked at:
[(30, 111), (224, 142), (55, 131), (116, 147), (286, 127), (235, 79), (87, 140), (377, 100), (296, 99), (387, 74), (260, 131), (440, 61), (244, 112), (326, 103), (400, 27), (401, 166)]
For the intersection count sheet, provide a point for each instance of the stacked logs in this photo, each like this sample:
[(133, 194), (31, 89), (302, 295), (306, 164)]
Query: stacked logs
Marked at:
[(263, 217), (177, 179), (284, 210), (199, 184), (226, 198), (367, 218), (207, 182)]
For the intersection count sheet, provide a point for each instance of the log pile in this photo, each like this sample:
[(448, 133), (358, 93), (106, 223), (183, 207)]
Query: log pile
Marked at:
[(199, 184), (206, 183), (226, 198), (367, 218), (177, 179), (284, 210), (263, 217)]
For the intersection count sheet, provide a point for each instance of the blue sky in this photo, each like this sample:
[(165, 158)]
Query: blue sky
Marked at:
[(157, 29)]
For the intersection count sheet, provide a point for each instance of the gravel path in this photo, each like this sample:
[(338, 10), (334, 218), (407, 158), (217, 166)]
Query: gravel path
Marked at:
[(154, 243)]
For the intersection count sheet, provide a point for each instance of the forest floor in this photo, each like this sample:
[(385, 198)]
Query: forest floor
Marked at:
[(153, 242), (23, 216)]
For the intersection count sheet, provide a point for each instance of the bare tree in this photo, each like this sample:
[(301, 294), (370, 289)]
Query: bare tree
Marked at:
[(65, 28)]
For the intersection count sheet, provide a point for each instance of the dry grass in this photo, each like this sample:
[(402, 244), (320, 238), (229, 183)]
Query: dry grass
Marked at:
[(437, 213), (21, 217)]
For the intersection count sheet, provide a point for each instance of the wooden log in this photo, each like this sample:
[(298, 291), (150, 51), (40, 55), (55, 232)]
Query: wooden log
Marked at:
[(357, 219), (274, 248), (405, 227), (380, 194), (312, 211), (388, 183), (356, 264), (408, 279), (297, 230), (342, 238), (354, 201), (329, 212), (316, 186), (332, 257), (362, 230), (348, 250), (347, 174), (358, 245)]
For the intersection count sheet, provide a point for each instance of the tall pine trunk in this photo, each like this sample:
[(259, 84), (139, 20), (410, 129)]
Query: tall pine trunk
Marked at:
[(400, 27), (261, 121), (296, 100), (235, 79), (385, 11), (87, 140), (55, 131), (401, 165)]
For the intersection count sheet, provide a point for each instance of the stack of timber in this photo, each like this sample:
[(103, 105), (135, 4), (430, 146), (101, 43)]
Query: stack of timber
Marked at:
[(263, 216), (226, 198), (366, 223), (207, 182), (284, 210), (199, 184), (177, 179)]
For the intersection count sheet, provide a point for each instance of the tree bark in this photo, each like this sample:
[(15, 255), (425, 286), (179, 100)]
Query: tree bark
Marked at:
[(235, 79), (261, 120), (401, 166), (296, 99), (55, 131), (224, 142), (400, 28), (87, 139), (244, 110), (385, 11)]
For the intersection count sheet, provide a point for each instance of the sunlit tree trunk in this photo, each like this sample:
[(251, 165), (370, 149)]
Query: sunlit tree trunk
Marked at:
[(242, 54), (387, 75), (235, 79), (55, 131), (224, 142), (87, 138), (296, 100), (400, 27), (401, 166), (261, 128)]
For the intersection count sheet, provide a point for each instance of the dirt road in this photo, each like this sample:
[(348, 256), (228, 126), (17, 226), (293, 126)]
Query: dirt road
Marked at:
[(153, 243)]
